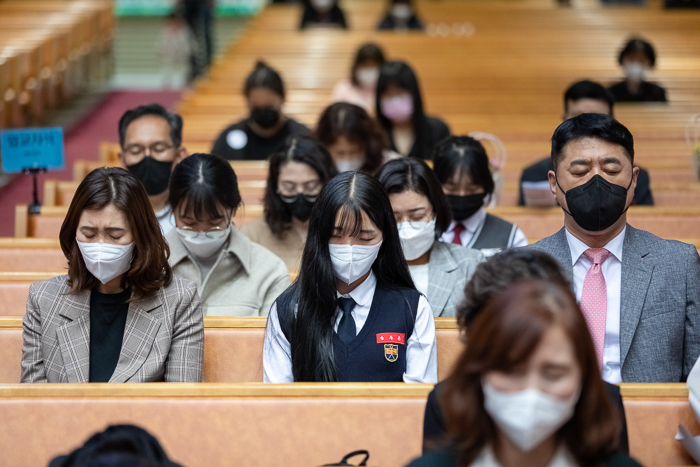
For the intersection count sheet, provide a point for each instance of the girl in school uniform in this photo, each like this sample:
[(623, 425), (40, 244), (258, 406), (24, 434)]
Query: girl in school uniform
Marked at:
[(462, 167), (353, 314)]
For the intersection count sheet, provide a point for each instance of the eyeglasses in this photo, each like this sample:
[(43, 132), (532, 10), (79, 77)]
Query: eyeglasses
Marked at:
[(416, 223), (214, 233), (156, 148), (289, 199)]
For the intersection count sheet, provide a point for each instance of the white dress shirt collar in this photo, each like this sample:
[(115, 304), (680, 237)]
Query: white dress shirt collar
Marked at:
[(577, 247), (471, 223), (363, 293)]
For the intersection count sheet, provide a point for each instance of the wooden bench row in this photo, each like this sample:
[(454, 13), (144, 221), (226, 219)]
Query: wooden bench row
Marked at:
[(204, 425)]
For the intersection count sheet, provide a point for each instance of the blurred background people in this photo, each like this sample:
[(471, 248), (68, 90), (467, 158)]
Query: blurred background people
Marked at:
[(298, 171), (256, 136), (636, 58), (439, 270), (234, 276), (401, 15), (462, 168), (198, 15), (399, 110), (354, 139), (322, 13), (175, 47), (361, 88)]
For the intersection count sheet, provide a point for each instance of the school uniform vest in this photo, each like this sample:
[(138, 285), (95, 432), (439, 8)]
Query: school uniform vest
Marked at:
[(495, 233), (378, 352)]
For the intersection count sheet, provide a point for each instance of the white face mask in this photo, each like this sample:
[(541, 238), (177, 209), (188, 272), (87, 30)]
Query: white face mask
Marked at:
[(634, 72), (348, 165), (367, 77), (416, 238), (322, 4), (350, 262), (106, 261), (203, 247), (401, 11), (528, 417)]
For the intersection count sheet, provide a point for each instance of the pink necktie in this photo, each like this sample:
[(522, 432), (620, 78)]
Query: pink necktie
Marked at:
[(459, 228), (594, 299)]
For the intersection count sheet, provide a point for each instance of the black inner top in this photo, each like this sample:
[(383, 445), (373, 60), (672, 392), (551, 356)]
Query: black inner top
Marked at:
[(107, 322)]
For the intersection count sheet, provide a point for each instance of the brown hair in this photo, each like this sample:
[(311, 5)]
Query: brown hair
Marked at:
[(504, 336), (115, 186)]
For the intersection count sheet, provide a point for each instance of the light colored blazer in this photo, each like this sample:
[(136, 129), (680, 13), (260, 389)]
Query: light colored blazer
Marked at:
[(245, 281), (163, 337), (449, 270), (659, 304)]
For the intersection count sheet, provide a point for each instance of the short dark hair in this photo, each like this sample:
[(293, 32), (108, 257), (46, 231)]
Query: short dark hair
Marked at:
[(599, 126), (355, 124), (499, 272), (411, 174), (173, 119), (458, 154), (369, 52), (114, 186), (587, 89), (637, 44), (203, 182), (264, 76), (298, 149)]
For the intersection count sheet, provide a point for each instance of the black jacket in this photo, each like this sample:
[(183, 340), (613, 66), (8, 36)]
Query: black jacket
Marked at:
[(649, 92), (435, 130)]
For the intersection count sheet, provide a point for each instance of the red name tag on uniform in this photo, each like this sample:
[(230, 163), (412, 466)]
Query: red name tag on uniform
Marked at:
[(391, 338)]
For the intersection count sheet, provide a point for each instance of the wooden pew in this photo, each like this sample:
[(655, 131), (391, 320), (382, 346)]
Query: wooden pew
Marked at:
[(329, 420), (232, 348)]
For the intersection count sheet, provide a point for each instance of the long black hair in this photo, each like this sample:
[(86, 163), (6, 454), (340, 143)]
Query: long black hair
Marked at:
[(311, 334), (401, 74), (300, 149)]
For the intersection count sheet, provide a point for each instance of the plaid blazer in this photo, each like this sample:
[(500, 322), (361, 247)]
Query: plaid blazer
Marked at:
[(163, 338), (449, 269)]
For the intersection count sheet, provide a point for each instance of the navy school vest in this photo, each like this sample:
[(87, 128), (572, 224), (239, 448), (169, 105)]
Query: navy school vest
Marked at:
[(378, 353)]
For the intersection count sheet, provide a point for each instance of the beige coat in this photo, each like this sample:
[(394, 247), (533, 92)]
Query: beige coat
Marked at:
[(287, 246), (245, 280)]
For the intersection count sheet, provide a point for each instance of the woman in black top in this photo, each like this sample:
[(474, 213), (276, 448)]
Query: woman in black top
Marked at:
[(636, 58), (400, 112), (324, 13), (401, 15), (258, 135)]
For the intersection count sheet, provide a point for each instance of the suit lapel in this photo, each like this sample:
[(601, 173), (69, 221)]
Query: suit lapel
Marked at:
[(74, 336), (441, 279), (562, 253), (636, 275), (139, 333)]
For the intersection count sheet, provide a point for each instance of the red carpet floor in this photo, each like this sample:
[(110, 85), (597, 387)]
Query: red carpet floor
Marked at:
[(81, 142)]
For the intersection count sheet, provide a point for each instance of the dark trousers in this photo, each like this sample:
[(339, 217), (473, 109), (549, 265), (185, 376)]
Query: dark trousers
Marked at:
[(198, 16)]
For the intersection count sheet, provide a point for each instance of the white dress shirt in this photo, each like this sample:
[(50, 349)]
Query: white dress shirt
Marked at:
[(421, 277), (421, 350), (612, 272), (166, 219), (562, 458), (472, 229)]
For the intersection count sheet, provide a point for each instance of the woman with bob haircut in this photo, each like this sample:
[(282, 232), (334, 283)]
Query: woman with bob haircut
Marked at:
[(354, 139), (353, 313), (439, 270), (528, 390), (119, 315), (266, 127), (298, 171), (399, 109), (361, 88), (636, 58), (462, 167), (234, 276)]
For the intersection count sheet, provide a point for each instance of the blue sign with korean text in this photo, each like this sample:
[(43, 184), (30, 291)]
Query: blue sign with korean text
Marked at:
[(31, 148)]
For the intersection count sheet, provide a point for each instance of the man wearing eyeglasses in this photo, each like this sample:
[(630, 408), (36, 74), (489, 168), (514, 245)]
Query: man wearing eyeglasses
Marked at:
[(151, 145)]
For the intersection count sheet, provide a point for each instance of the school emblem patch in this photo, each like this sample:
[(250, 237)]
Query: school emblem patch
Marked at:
[(391, 352)]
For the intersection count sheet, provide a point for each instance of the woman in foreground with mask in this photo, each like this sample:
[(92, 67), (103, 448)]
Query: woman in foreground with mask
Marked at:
[(462, 167), (119, 315), (234, 276), (353, 314), (298, 171), (439, 270), (354, 139), (258, 135), (399, 110), (528, 390), (361, 88), (636, 58)]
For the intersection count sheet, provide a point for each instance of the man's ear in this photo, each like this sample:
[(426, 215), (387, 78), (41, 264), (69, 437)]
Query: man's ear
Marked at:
[(122, 162), (552, 178), (180, 155)]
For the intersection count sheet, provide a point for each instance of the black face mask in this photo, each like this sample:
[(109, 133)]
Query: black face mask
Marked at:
[(155, 175), (265, 117), (597, 204), (300, 207), (463, 207)]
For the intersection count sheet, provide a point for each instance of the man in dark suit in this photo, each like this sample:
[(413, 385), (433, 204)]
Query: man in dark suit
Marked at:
[(640, 294), (585, 97)]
